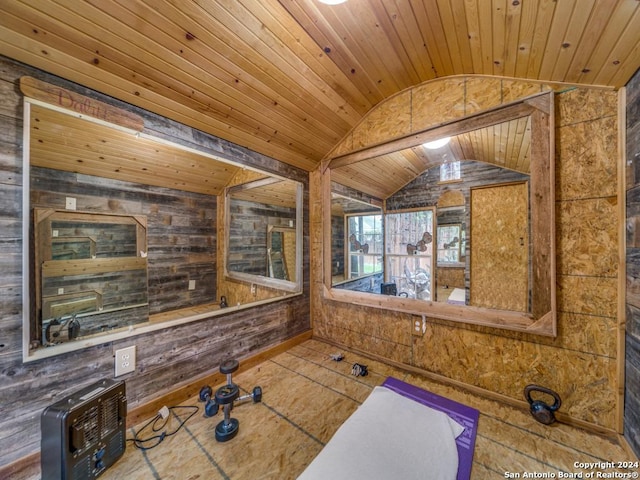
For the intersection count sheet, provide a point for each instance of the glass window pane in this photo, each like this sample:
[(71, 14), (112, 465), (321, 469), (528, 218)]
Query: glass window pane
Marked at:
[(365, 240), (410, 252), (449, 171)]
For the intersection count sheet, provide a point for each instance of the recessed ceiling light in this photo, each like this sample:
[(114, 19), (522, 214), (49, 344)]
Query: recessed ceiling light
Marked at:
[(441, 142), (332, 2)]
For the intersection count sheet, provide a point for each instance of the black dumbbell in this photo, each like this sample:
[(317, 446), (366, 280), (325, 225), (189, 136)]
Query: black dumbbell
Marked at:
[(255, 395), (228, 427), (211, 406)]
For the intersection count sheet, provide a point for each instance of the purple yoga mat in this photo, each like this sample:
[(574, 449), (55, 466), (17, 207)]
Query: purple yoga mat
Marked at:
[(464, 415)]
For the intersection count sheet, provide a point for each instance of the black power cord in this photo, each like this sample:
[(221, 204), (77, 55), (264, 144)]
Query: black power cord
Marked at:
[(157, 438)]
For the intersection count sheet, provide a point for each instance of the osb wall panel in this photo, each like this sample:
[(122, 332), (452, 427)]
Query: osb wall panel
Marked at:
[(482, 93), (432, 103), (512, 90), (585, 170), (500, 253), (451, 277), (394, 121), (316, 236), (587, 237), (387, 335), (427, 110), (492, 358), (581, 362)]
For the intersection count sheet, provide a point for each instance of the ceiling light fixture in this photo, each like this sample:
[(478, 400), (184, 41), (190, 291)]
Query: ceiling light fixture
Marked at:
[(441, 142), (332, 2)]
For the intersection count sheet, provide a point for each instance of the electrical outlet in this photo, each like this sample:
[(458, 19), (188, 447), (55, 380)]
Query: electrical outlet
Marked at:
[(125, 360), (192, 284), (419, 327), (70, 203), (253, 289)]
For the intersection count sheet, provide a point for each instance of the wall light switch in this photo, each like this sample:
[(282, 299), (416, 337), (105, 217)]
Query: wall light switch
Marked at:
[(70, 203), (192, 284)]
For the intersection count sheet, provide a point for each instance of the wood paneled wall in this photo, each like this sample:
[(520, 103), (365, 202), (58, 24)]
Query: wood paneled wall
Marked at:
[(181, 230), (248, 240), (182, 248), (632, 344), (241, 292), (583, 362)]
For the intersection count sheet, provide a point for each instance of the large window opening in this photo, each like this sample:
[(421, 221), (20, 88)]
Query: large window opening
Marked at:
[(409, 248), (365, 235)]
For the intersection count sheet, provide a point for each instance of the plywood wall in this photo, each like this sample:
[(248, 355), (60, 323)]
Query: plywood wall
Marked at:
[(582, 363)]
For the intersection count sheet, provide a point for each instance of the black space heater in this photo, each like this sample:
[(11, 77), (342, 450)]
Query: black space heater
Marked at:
[(84, 434), (389, 289)]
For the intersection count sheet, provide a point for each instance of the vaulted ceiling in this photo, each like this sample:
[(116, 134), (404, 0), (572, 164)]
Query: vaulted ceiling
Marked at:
[(290, 78)]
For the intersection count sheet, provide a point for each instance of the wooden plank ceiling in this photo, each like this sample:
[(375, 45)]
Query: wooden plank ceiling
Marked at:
[(505, 144), (65, 142), (290, 78), (271, 191)]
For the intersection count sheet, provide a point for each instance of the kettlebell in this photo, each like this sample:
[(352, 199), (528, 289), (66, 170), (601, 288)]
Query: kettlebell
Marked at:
[(540, 410)]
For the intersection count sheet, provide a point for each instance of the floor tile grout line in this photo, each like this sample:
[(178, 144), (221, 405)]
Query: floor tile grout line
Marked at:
[(355, 379), (539, 435), (311, 362), (518, 427), (147, 460), (404, 373), (202, 448), (398, 371), (284, 417), (294, 424), (320, 384), (524, 454)]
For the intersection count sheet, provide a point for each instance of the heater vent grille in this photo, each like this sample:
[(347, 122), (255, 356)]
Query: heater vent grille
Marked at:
[(110, 417), (85, 430), (84, 434)]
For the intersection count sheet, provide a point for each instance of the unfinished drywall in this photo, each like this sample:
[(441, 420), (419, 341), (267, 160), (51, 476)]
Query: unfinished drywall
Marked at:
[(582, 363)]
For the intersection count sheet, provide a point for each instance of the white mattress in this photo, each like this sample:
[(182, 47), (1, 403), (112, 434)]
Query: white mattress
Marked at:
[(457, 297), (389, 437)]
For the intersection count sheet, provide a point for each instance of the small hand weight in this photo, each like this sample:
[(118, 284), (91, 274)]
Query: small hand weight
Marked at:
[(540, 410)]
